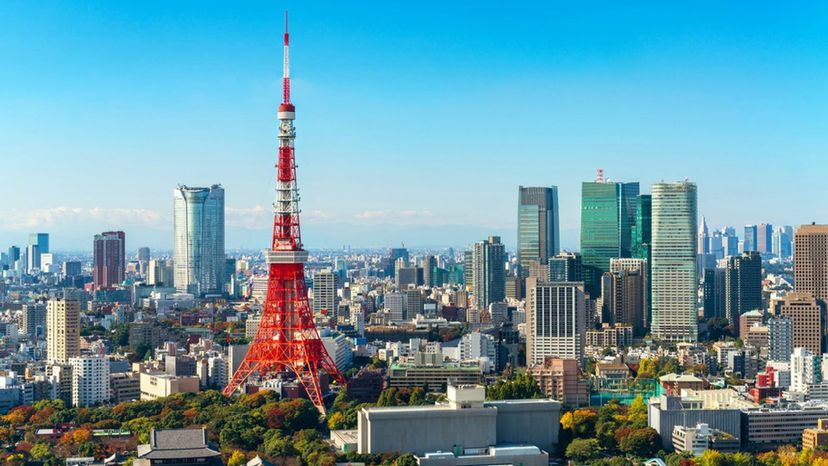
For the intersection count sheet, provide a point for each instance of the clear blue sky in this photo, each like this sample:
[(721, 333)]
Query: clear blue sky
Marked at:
[(416, 122)]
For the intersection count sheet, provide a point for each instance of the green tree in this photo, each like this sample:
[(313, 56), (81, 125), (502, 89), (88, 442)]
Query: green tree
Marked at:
[(40, 451), (237, 458), (277, 447), (406, 460), (711, 458), (641, 442), (583, 449), (518, 387), (242, 431), (637, 413)]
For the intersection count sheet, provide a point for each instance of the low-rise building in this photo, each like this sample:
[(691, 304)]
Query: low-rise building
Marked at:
[(465, 425), (125, 386), (612, 376), (560, 379), (668, 411), (815, 437), (673, 384), (159, 385), (769, 427), (434, 377), (178, 447), (697, 439), (616, 336)]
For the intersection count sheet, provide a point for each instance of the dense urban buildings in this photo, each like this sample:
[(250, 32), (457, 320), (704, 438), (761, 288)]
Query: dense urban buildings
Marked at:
[(674, 261), (662, 336), (198, 246)]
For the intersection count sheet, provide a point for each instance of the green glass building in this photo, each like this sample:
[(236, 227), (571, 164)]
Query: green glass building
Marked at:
[(642, 237), (608, 213)]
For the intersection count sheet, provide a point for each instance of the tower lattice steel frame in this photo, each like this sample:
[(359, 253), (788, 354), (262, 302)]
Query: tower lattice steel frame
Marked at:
[(287, 338)]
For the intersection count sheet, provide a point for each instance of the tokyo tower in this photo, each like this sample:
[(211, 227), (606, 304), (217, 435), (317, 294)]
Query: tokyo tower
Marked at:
[(287, 339)]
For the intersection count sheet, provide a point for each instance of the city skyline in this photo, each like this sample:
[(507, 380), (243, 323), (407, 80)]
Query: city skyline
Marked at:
[(192, 102)]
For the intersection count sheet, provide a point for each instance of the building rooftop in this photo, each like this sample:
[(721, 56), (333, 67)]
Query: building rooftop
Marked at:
[(445, 365), (177, 443), (679, 378)]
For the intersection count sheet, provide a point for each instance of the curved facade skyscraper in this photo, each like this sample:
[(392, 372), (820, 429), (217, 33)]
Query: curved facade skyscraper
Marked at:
[(198, 246)]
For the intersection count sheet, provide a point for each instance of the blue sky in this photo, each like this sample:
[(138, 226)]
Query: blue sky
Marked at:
[(416, 122)]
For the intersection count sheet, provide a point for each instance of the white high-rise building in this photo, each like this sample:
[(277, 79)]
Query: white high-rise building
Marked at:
[(217, 370), (673, 268), (340, 348), (556, 322), (357, 318), (90, 380), (324, 292), (478, 346), (198, 247), (805, 370), (62, 330)]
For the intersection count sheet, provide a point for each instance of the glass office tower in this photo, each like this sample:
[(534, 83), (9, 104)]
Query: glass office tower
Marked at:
[(198, 246), (538, 232), (608, 211)]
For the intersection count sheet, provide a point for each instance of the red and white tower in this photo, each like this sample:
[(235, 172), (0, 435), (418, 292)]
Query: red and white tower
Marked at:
[(287, 339)]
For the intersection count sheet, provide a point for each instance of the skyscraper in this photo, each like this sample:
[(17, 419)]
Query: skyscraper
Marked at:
[(806, 313), (811, 260), (608, 212), (108, 259), (143, 257), (714, 293), (488, 272), (429, 267), (642, 232), (556, 321), (764, 236), (750, 241), (730, 242), (743, 285), (538, 232), (780, 338), (62, 330), (642, 238), (674, 285), (38, 244), (703, 242), (198, 247), (782, 241)]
